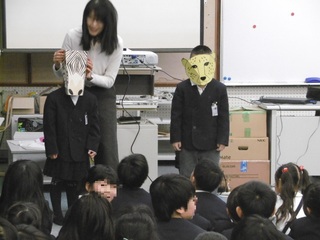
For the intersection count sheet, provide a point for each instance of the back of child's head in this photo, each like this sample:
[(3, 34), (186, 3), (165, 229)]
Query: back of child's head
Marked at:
[(207, 175), (256, 197), (232, 204), (289, 179), (30, 232), (25, 213), (7, 230), (200, 49), (136, 222), (255, 227), (311, 200), (133, 170), (101, 172), (170, 192), (88, 218), (27, 178), (210, 236)]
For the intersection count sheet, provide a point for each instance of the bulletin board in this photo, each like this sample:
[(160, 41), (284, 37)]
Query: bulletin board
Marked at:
[(269, 42), (143, 24)]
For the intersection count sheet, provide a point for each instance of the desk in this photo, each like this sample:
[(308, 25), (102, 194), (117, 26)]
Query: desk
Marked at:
[(16, 153), (293, 138), (146, 143)]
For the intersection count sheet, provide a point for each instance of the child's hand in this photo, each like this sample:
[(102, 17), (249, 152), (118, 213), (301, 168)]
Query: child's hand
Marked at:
[(92, 154), (220, 147), (53, 156), (176, 146)]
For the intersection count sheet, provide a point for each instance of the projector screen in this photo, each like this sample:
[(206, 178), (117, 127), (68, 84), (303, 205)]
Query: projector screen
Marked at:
[(143, 24)]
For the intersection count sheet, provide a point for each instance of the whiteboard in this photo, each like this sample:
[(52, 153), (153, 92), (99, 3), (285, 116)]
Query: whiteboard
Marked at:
[(142, 24), (269, 42)]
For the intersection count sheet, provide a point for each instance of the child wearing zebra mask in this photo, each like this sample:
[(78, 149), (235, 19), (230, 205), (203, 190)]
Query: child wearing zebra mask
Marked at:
[(71, 133)]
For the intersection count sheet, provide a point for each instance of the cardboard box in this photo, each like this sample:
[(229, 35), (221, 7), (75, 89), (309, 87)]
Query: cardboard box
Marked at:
[(246, 149), (238, 172), (42, 100), (248, 122), (22, 105)]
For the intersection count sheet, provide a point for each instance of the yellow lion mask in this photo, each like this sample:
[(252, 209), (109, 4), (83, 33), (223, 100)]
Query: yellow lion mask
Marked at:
[(200, 68)]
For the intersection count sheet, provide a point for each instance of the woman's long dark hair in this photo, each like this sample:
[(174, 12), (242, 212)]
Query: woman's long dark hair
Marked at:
[(105, 12)]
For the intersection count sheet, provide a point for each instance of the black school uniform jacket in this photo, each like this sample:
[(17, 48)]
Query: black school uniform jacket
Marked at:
[(213, 208), (178, 229), (192, 122), (71, 130), (306, 228)]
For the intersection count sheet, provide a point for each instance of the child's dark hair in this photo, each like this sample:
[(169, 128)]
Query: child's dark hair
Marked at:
[(311, 200), (30, 232), (101, 172), (7, 230), (170, 192), (255, 227), (133, 171), (136, 222), (88, 218), (207, 175), (232, 204), (25, 213), (256, 197), (289, 178), (200, 49)]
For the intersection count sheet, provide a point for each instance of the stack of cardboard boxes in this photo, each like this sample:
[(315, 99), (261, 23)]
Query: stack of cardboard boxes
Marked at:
[(247, 156)]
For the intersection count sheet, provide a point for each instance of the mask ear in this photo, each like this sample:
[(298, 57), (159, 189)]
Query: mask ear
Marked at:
[(184, 61)]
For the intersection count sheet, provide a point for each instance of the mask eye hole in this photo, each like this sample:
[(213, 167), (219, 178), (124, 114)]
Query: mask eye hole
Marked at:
[(206, 64), (194, 66)]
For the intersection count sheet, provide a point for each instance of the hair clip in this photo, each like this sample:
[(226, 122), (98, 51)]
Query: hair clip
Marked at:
[(284, 170), (301, 168)]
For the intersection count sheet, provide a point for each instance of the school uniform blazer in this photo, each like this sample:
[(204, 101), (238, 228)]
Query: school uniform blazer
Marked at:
[(213, 208), (178, 228), (71, 130), (306, 228), (192, 122), (132, 197)]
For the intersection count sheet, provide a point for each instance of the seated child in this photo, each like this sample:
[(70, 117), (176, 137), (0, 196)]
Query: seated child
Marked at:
[(136, 222), (258, 198), (103, 180), (88, 218), (308, 228), (291, 180), (232, 204), (174, 203), (132, 172), (206, 178), (255, 227)]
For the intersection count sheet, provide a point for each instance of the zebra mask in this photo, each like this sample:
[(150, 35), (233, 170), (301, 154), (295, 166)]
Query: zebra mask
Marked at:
[(74, 72)]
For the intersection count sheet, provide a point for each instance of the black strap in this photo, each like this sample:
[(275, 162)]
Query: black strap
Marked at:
[(294, 217)]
